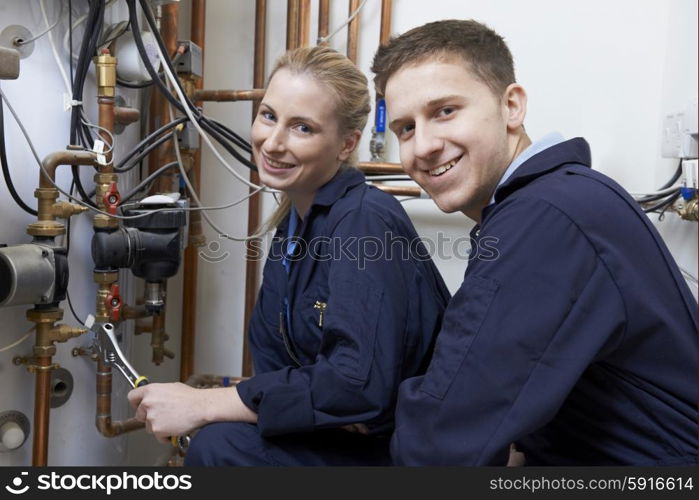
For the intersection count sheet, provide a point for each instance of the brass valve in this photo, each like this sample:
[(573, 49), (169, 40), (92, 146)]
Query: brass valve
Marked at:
[(64, 209), (62, 333)]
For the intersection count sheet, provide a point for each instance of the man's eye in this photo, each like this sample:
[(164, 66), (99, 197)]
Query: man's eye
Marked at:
[(446, 111), (405, 130)]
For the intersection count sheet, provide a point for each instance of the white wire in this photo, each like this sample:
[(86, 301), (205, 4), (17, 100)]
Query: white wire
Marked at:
[(194, 122), (53, 48), (58, 19), (689, 277), (669, 190), (349, 20), (22, 339)]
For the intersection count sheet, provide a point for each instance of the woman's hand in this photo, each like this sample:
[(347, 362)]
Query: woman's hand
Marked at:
[(175, 409)]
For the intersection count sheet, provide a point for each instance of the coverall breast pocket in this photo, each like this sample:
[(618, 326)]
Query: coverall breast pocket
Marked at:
[(462, 323)]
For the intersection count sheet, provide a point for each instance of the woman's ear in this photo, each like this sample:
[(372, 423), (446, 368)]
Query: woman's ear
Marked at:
[(515, 100), (351, 141)]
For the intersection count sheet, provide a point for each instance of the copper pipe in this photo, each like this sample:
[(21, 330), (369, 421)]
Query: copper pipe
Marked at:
[(386, 8), (353, 32), (305, 23), (47, 177), (165, 153), (400, 190), (103, 418), (381, 168), (292, 24), (251, 262), (228, 95), (42, 400), (126, 116), (106, 122), (323, 20), (196, 236)]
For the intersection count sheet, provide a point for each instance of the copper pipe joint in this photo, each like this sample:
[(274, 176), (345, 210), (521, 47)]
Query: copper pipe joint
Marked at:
[(47, 179), (126, 116), (381, 168), (106, 74)]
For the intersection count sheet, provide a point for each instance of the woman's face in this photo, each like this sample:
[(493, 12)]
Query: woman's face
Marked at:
[(296, 138)]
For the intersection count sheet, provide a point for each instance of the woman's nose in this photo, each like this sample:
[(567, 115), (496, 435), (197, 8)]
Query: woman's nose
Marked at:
[(276, 140)]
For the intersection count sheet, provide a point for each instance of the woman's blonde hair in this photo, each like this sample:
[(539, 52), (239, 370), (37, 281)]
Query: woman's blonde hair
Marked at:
[(349, 87)]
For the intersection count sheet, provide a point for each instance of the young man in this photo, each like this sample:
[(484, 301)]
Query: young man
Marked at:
[(576, 338)]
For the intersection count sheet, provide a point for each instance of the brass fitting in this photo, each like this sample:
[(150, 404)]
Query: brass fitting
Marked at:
[(106, 74), (690, 210), (104, 281), (62, 333), (64, 209), (46, 224)]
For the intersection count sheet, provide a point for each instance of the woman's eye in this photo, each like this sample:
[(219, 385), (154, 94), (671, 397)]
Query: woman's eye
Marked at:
[(303, 128), (267, 115), (446, 111)]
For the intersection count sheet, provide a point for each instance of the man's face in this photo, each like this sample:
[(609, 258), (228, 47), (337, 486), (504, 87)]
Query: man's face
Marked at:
[(452, 131)]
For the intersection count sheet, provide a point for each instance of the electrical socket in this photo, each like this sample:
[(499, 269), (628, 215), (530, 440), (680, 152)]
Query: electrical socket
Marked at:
[(680, 135), (690, 173)]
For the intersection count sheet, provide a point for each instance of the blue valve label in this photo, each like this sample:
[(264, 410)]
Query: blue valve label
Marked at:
[(380, 116)]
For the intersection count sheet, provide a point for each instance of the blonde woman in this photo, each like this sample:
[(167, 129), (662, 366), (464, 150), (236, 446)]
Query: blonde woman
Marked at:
[(349, 302)]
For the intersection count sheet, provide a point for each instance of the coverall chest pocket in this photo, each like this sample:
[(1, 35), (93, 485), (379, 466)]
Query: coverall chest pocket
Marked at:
[(462, 323), (312, 313)]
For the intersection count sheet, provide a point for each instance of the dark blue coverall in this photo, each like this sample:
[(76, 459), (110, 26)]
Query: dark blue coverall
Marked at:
[(573, 334), (365, 302)]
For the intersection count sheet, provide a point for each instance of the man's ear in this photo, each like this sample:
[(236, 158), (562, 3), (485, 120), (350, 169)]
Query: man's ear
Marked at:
[(515, 102), (351, 141)]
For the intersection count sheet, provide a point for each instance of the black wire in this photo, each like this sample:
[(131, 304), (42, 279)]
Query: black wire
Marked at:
[(673, 179), (145, 182), (6, 169), (143, 85), (663, 204), (70, 39), (68, 226), (203, 121), (88, 47), (135, 161), (148, 140)]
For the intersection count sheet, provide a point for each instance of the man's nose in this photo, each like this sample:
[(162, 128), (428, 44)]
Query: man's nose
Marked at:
[(427, 143)]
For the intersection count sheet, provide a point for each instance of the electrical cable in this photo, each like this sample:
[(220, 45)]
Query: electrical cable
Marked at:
[(349, 20), (17, 342), (71, 197), (194, 122), (6, 169), (142, 154), (663, 204), (146, 141), (58, 20), (193, 194), (204, 122), (147, 181)]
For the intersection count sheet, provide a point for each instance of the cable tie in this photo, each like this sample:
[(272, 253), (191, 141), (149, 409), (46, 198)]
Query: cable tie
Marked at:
[(99, 149), (69, 102)]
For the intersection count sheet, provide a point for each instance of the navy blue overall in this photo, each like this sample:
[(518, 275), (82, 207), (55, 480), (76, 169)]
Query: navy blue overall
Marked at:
[(333, 337), (573, 334)]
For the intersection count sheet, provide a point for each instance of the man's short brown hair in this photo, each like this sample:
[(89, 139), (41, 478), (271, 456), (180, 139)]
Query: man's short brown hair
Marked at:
[(479, 46)]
